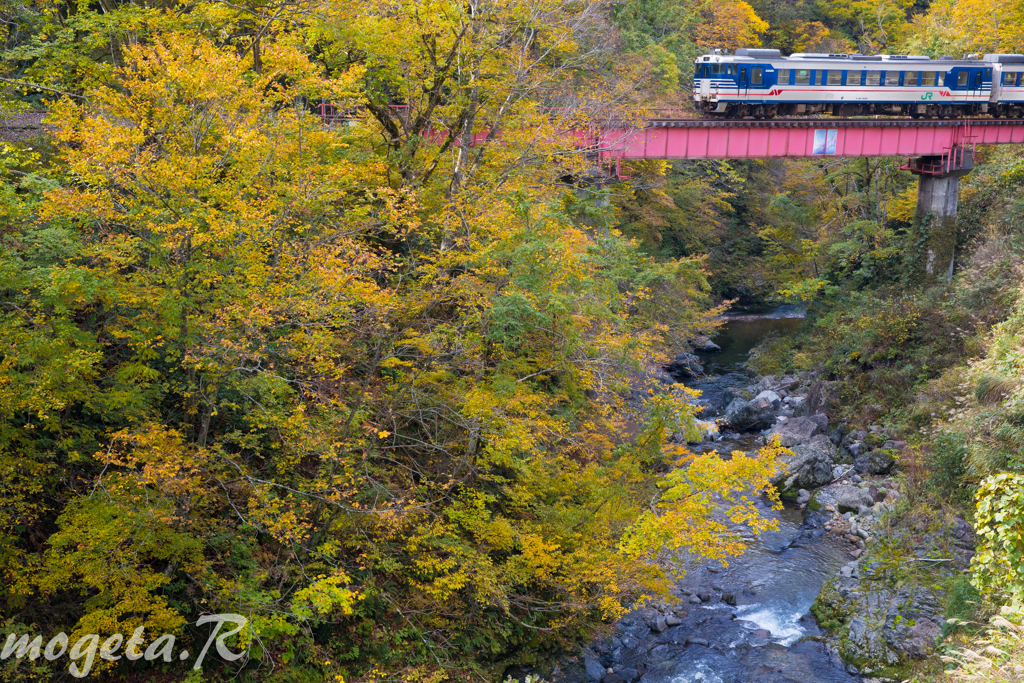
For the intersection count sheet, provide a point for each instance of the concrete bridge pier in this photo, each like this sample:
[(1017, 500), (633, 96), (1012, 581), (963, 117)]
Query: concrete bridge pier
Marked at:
[(938, 188)]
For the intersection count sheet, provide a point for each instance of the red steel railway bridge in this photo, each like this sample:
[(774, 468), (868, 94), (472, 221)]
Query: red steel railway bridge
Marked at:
[(938, 151)]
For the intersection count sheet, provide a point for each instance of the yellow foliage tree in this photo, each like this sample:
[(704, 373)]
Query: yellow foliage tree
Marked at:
[(958, 28), (369, 377), (730, 25)]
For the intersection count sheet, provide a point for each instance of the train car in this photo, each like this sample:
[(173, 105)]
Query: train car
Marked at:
[(1007, 98), (763, 83)]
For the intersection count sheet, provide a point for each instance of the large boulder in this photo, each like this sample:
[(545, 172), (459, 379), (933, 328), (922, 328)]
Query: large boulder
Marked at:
[(795, 432), (595, 671), (874, 462), (747, 415), (705, 345), (851, 498), (685, 365), (809, 467), (774, 398)]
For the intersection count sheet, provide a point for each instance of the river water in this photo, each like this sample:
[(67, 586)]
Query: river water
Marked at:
[(768, 636)]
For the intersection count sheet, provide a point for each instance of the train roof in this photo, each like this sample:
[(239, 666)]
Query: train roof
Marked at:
[(864, 61)]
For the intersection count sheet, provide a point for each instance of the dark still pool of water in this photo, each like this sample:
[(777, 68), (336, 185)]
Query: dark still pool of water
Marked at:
[(742, 332)]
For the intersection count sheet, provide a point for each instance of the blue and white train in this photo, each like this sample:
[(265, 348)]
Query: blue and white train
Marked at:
[(763, 84)]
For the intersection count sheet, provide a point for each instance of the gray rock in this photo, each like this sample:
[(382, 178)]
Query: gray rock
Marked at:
[(756, 414), (921, 637), (659, 625), (874, 462), (795, 432), (850, 498), (595, 671), (705, 345), (821, 419), (729, 598), (685, 365), (775, 399), (704, 597), (697, 641), (672, 621), (809, 467), (855, 448), (612, 678), (628, 674), (694, 600)]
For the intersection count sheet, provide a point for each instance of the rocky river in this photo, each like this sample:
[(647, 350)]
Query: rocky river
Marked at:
[(750, 621)]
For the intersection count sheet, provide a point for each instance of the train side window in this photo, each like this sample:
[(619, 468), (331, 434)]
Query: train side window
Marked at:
[(930, 78), (910, 79), (873, 78), (783, 78), (819, 77), (835, 77), (755, 76), (961, 79), (803, 77)]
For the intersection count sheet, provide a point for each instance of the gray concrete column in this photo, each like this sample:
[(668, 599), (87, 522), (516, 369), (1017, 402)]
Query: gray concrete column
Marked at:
[(937, 195), (938, 189)]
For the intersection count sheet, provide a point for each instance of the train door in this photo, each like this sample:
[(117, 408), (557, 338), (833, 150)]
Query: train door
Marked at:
[(744, 82), (976, 81), (962, 89), (705, 81)]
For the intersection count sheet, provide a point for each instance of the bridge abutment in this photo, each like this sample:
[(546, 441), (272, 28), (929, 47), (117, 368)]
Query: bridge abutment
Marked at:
[(938, 190)]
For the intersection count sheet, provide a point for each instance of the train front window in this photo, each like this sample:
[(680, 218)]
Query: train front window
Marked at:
[(755, 76), (873, 78), (961, 79), (910, 79), (835, 77), (803, 77)]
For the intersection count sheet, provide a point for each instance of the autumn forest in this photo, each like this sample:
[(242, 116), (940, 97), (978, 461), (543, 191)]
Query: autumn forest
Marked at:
[(312, 311)]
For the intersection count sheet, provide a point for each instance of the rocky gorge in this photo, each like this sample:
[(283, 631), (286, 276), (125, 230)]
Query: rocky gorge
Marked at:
[(846, 590)]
